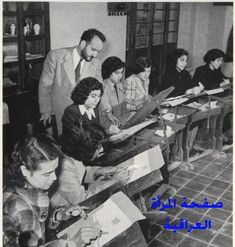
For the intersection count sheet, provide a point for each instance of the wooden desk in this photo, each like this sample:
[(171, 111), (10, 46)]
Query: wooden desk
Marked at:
[(149, 135), (211, 115), (132, 236), (225, 101)]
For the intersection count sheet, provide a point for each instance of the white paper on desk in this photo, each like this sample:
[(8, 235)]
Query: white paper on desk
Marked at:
[(175, 102), (114, 216), (204, 107), (169, 132), (144, 163), (171, 116), (214, 91)]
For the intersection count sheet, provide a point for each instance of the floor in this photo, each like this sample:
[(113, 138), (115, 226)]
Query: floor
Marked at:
[(210, 178)]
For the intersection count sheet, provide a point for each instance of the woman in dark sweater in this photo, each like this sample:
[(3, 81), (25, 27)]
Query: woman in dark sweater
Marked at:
[(86, 96), (176, 75), (210, 75)]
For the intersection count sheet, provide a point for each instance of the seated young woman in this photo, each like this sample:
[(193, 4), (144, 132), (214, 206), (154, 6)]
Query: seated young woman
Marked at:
[(87, 141), (176, 75), (209, 74), (137, 85), (25, 200), (113, 112), (211, 77), (85, 96)]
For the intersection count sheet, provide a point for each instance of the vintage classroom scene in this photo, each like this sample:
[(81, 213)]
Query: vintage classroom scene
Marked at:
[(117, 123)]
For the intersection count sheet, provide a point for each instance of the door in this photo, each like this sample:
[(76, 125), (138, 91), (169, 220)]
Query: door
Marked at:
[(152, 30)]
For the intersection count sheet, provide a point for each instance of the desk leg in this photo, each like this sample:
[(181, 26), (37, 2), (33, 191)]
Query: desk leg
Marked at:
[(219, 131), (185, 140), (212, 130)]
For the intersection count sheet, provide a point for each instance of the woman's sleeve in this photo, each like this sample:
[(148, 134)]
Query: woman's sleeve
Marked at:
[(132, 103), (104, 103), (19, 220), (69, 185)]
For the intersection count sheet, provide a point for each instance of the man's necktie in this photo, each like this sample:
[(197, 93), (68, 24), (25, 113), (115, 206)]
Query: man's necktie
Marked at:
[(77, 71), (115, 87)]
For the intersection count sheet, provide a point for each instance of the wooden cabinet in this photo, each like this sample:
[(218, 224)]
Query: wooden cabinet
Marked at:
[(26, 42), (152, 30)]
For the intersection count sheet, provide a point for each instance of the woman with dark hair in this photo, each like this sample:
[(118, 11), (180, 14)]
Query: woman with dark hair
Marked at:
[(113, 102), (176, 75), (137, 85), (25, 200), (86, 96), (210, 75), (87, 144)]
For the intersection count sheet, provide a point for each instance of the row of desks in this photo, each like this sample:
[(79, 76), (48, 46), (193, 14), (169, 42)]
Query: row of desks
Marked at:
[(146, 139)]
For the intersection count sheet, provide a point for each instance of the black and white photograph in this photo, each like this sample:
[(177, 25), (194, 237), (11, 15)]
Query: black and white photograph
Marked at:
[(117, 124)]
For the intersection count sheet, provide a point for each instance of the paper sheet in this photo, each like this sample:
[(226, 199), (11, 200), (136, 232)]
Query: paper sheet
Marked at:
[(171, 116), (169, 132), (175, 102), (144, 163), (204, 107), (124, 134), (114, 216), (214, 91)]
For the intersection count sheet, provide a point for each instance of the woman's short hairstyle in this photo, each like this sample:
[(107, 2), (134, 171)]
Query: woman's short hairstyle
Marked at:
[(174, 56), (110, 65), (140, 64), (91, 136), (30, 152), (213, 54), (83, 89)]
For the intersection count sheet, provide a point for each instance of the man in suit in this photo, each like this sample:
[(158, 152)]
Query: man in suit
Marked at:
[(63, 69)]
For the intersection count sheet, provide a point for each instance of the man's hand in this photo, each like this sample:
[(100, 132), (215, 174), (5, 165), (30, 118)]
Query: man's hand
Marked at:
[(85, 235), (46, 118)]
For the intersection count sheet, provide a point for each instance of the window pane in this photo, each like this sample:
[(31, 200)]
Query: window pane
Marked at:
[(173, 14), (157, 39), (158, 15), (174, 5), (158, 27), (172, 26), (142, 15), (141, 41), (143, 5), (172, 37), (159, 5), (142, 28)]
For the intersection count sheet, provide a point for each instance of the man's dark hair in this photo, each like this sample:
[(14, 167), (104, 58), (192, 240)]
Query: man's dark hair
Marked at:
[(89, 34), (110, 65), (84, 88), (213, 54)]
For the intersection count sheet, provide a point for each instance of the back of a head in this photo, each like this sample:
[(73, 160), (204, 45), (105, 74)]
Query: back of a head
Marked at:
[(84, 88), (91, 135), (140, 64), (30, 152), (89, 34), (212, 55), (110, 65)]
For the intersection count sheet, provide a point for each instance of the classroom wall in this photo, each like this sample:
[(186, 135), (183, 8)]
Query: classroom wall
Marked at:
[(203, 26), (69, 20)]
